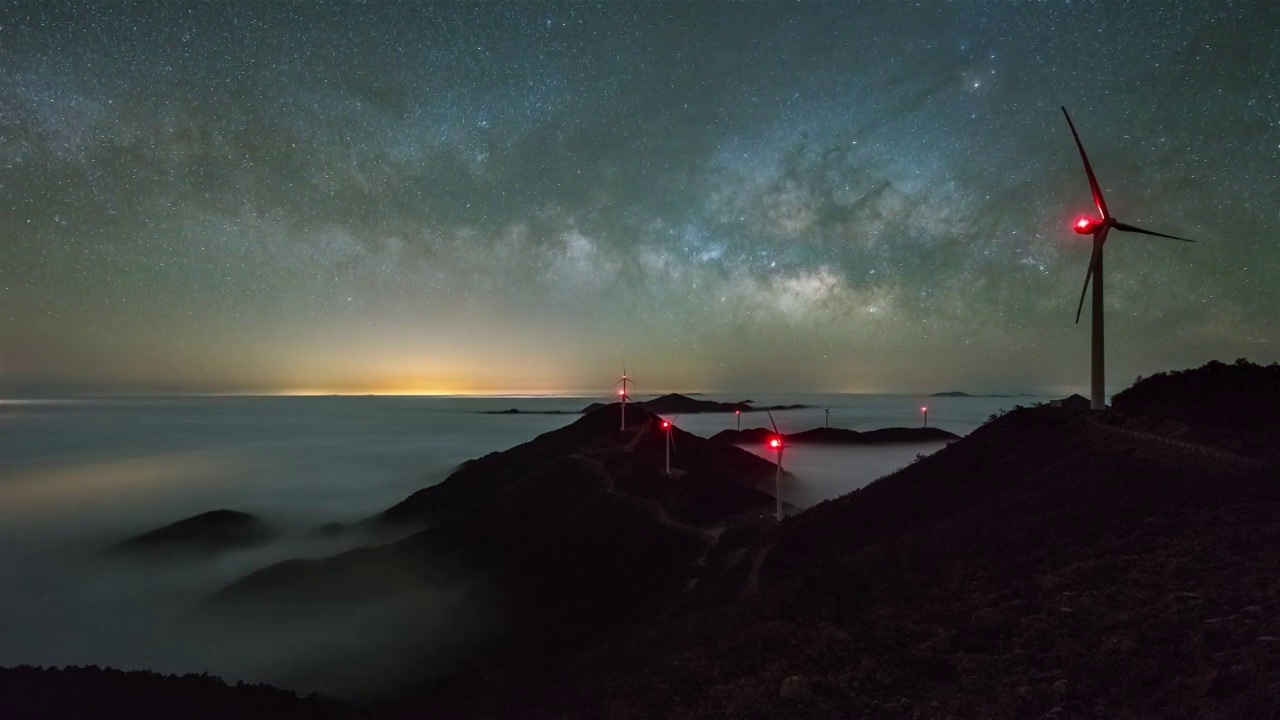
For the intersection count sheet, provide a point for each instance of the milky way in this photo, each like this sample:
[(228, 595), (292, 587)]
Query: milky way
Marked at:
[(492, 197)]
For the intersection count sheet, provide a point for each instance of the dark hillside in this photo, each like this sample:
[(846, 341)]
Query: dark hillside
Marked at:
[(1049, 560), (573, 533), (1229, 406)]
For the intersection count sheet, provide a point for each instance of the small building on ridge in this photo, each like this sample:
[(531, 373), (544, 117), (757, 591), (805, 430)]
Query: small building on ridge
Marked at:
[(1072, 402)]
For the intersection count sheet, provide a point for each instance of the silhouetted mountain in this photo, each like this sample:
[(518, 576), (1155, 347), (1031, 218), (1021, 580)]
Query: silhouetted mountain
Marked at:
[(838, 436), (579, 526), (357, 574), (677, 404), (211, 531), (951, 393), (93, 693)]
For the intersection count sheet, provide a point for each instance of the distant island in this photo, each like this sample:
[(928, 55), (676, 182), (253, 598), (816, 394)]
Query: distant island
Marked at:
[(685, 405), (839, 436), (958, 394), (518, 411), (671, 404)]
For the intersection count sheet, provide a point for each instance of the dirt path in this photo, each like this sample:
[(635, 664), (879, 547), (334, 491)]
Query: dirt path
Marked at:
[(655, 508), (1226, 456), (753, 577), (637, 434)]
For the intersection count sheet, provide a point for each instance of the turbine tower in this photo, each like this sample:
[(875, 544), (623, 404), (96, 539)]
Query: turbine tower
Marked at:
[(1098, 229), (669, 427), (775, 443), (826, 423), (622, 393)]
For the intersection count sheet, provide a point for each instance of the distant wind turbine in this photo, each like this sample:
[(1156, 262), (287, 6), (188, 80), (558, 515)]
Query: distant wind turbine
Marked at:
[(622, 393), (775, 443), (925, 409), (827, 422), (669, 427), (1099, 229), (737, 414)]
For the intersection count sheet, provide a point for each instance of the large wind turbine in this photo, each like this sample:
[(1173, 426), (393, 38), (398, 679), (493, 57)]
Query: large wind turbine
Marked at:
[(669, 426), (1099, 229), (622, 393), (776, 443)]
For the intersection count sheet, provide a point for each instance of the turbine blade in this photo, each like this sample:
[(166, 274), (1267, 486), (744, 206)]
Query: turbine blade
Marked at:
[(1088, 169), (1135, 229), (771, 422), (1093, 262)]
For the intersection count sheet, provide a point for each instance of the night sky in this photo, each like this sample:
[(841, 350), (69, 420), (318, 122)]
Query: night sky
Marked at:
[(519, 197)]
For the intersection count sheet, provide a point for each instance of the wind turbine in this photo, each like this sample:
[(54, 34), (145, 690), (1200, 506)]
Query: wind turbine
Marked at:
[(925, 409), (1099, 229), (737, 414), (669, 426), (827, 422), (775, 443), (622, 393)]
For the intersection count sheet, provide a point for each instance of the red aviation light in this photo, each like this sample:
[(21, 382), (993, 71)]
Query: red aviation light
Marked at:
[(924, 409), (621, 392), (665, 424), (1084, 225), (775, 443)]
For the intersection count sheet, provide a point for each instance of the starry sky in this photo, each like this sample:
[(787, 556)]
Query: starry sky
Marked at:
[(519, 197)]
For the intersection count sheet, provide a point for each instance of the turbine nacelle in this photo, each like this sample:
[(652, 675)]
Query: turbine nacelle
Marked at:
[(1087, 225)]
